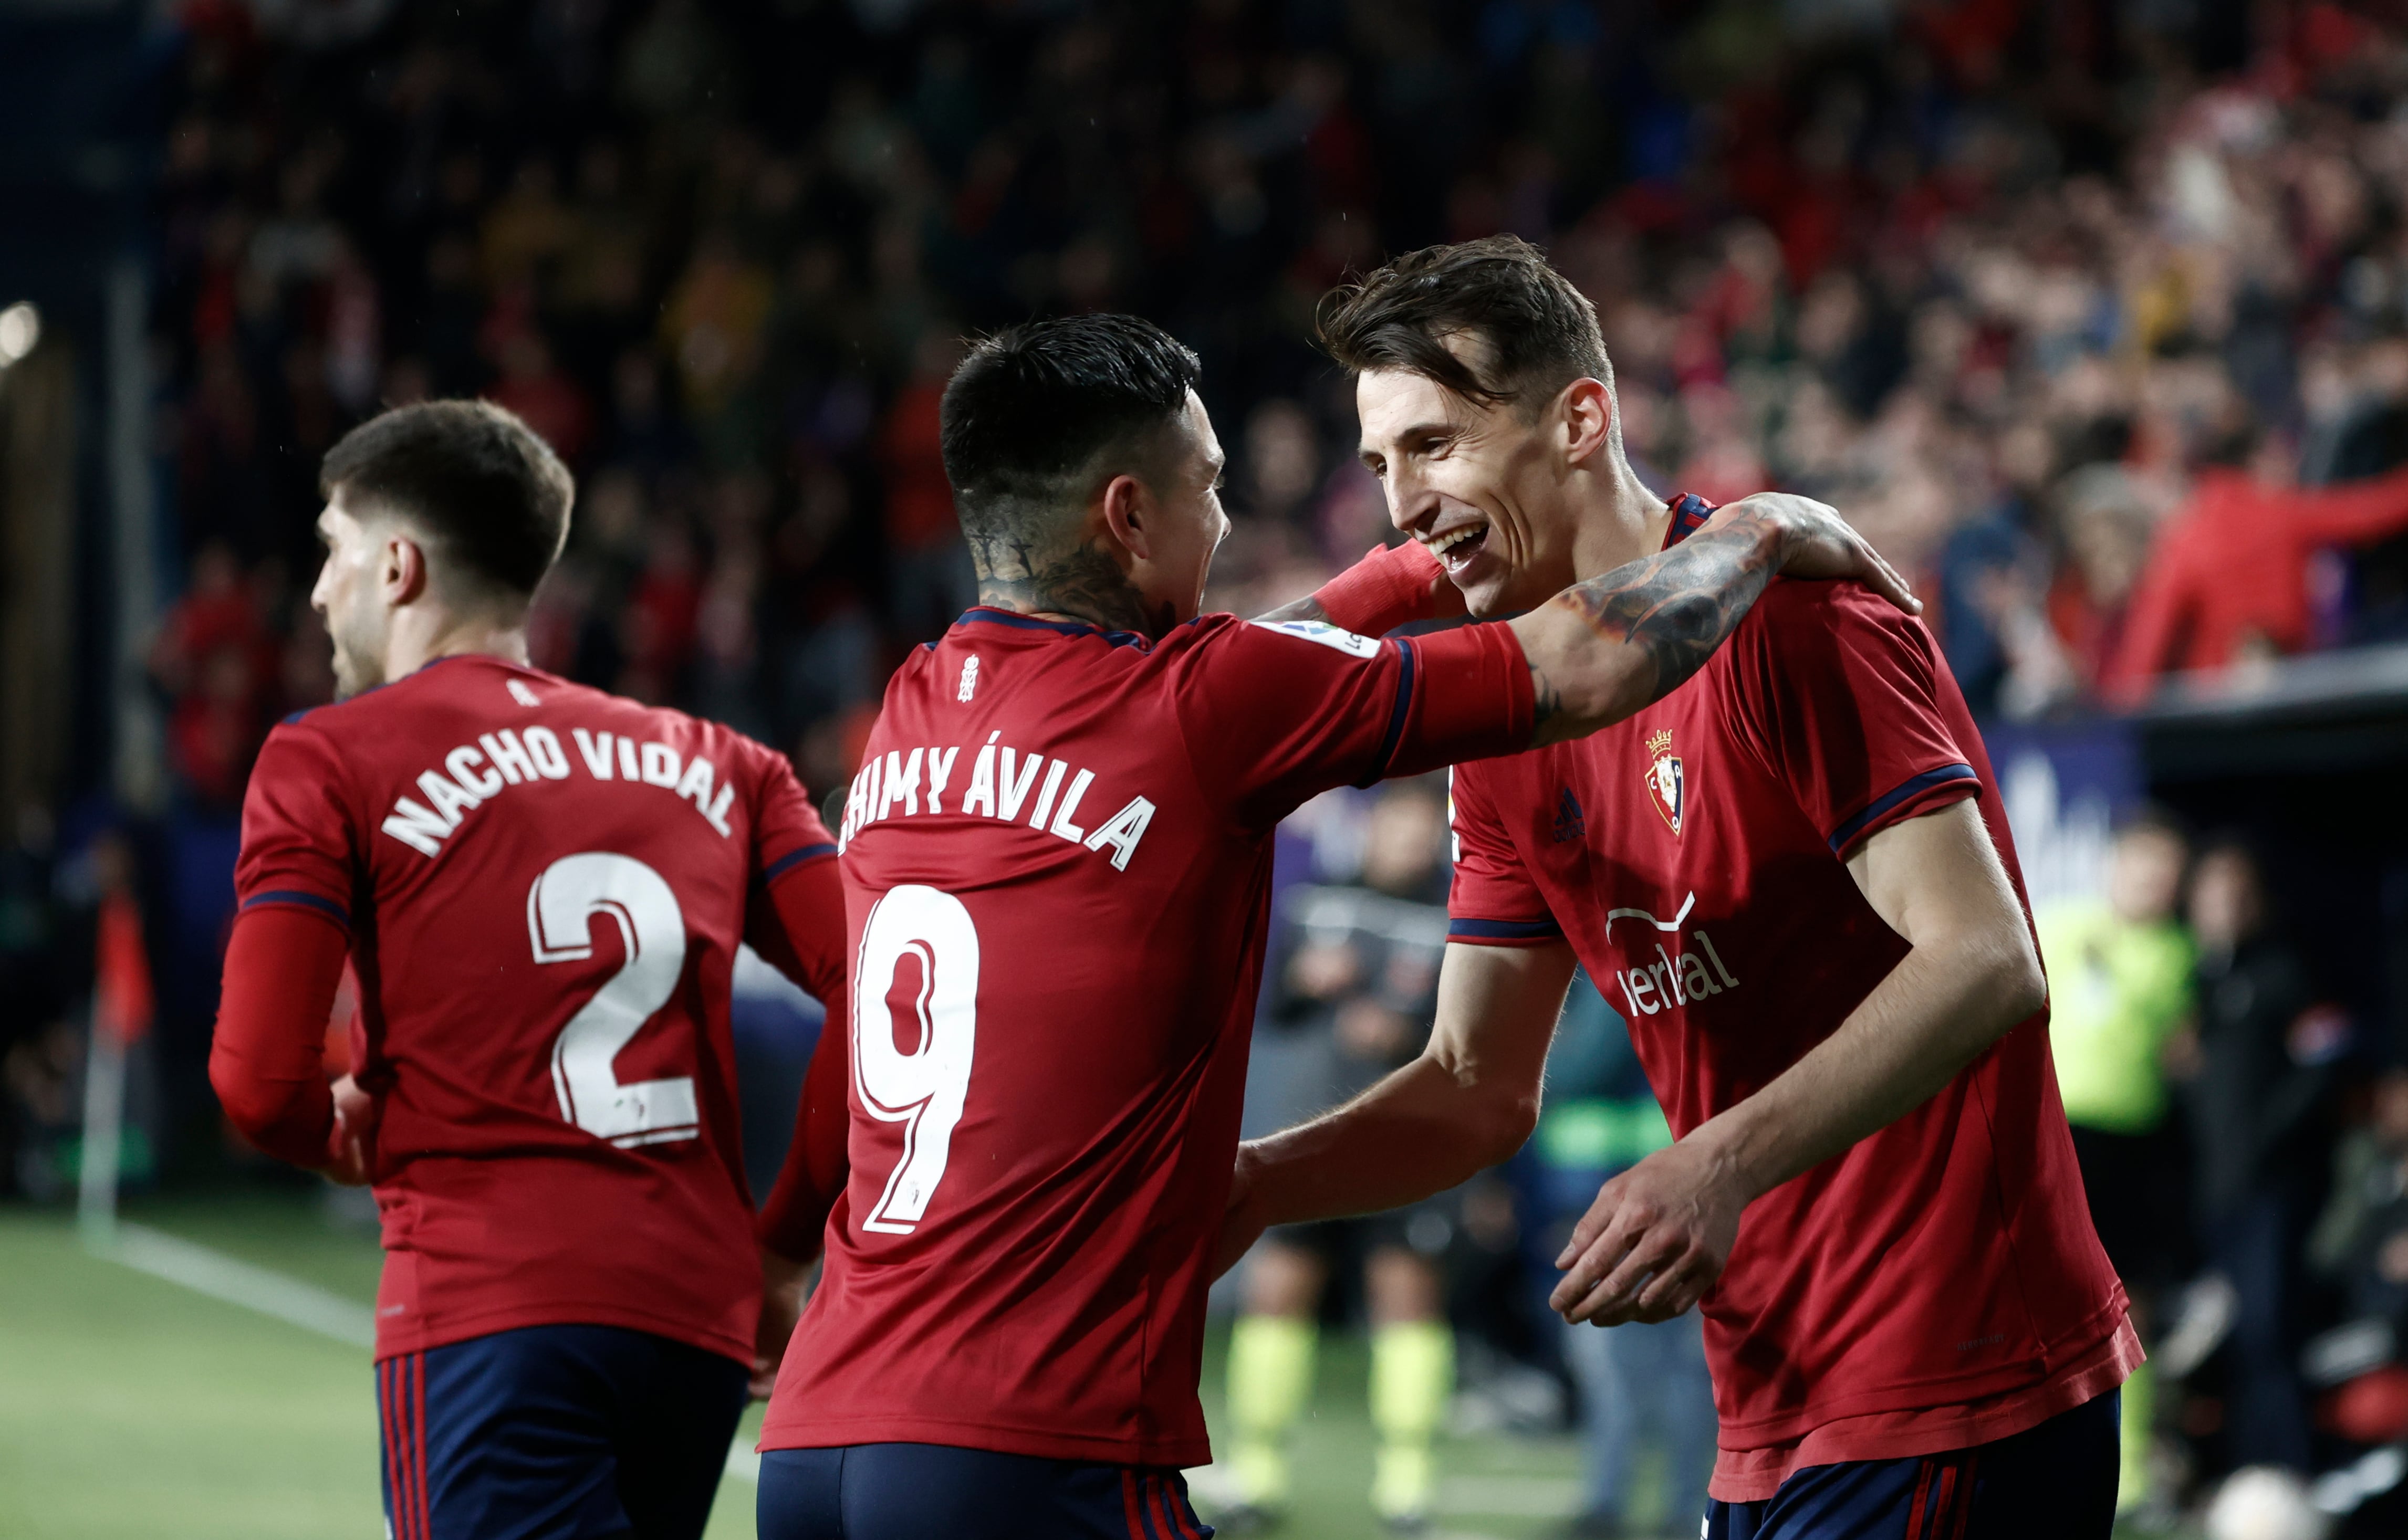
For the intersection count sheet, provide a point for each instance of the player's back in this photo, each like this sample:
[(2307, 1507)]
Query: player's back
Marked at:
[(546, 887), (1058, 872)]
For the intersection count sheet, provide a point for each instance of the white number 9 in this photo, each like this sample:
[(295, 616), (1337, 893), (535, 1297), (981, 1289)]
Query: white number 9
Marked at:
[(923, 1090)]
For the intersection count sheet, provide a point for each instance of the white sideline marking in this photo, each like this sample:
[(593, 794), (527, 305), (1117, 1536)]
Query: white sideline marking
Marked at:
[(224, 1277), (213, 1272)]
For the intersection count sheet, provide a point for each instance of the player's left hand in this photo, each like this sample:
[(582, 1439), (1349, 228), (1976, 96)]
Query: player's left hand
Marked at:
[(1654, 1240), (350, 1146), (784, 1287)]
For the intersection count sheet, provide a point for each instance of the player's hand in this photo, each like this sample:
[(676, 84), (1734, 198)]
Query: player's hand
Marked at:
[(350, 1146), (1654, 1242), (1817, 543), (1242, 1221), (785, 1286)]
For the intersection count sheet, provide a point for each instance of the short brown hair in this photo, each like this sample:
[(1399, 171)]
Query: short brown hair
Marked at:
[(474, 478), (1540, 331)]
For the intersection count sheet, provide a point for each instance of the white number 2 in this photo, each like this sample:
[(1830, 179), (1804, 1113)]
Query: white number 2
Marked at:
[(923, 1090), (561, 908)]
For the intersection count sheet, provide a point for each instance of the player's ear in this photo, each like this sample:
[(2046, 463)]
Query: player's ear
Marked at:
[(404, 579), (1587, 408), (1129, 514)]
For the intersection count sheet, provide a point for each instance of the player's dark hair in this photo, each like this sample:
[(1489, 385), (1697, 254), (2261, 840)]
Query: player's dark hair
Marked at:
[(475, 479), (1541, 332), (1032, 409)]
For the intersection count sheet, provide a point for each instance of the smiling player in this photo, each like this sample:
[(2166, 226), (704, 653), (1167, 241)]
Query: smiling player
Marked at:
[(1793, 876), (542, 887), (1057, 862)]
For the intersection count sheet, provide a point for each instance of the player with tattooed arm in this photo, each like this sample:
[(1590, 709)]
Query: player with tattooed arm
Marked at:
[(542, 888), (1792, 874), (1057, 862)]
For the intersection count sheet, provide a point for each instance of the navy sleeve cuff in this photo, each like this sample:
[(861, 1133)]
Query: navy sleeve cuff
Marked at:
[(299, 899), (793, 858), (1502, 931), (1945, 778)]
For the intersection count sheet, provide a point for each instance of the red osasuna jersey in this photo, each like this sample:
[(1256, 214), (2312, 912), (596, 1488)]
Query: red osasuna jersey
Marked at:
[(1694, 855), (1058, 872), (545, 887)]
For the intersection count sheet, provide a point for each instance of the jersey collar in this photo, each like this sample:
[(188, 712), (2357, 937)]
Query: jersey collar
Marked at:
[(989, 615), (1689, 514)]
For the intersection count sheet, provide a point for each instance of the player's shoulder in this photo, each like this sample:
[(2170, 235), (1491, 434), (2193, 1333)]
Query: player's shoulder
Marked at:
[(1797, 616)]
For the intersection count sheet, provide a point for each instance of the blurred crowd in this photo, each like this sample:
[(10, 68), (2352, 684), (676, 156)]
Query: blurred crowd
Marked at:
[(2066, 310)]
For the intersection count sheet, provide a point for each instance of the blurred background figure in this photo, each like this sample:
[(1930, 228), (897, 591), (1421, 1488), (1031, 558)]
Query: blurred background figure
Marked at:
[(1352, 998), (2119, 969), (1642, 1388), (2260, 1085)]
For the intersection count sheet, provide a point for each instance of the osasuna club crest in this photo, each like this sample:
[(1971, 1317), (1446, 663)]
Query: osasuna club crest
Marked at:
[(1666, 783)]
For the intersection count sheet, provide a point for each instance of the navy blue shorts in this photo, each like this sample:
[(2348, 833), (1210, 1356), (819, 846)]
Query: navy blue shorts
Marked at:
[(916, 1491), (2057, 1481), (555, 1433)]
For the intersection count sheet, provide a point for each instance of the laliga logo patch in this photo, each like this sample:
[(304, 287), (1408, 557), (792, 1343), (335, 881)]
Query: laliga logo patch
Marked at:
[(1664, 781)]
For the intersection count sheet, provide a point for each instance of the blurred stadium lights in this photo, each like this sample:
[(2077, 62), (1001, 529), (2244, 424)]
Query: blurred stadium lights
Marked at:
[(21, 332)]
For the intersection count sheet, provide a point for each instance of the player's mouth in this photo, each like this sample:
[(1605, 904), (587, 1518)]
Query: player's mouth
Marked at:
[(1459, 547)]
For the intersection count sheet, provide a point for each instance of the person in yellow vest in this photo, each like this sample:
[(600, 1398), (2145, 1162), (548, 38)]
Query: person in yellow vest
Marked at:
[(2120, 972)]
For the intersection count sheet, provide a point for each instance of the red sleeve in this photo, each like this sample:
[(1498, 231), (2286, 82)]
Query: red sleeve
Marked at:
[(1277, 711), (266, 1061), (297, 836), (796, 922), (807, 941), (1492, 901), (1840, 695), (1391, 586), (2352, 514)]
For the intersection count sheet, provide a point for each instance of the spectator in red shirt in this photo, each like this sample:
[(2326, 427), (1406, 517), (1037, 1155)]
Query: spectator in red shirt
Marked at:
[(2231, 569)]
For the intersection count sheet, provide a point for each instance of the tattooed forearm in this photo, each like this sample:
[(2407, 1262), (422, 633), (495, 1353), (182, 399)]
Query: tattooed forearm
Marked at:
[(1084, 582), (1672, 610), (1678, 605)]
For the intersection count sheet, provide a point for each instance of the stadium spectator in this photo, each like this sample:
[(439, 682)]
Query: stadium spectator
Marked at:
[(2119, 970), (2259, 1100)]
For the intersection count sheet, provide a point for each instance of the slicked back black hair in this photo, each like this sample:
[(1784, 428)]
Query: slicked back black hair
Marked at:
[(1032, 408), (1541, 332), (478, 482)]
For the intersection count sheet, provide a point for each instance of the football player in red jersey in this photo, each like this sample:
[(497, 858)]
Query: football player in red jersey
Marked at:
[(1057, 862), (542, 887), (1793, 877)]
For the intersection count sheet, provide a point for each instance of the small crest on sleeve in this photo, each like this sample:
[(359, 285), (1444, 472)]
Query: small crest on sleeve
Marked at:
[(969, 686), (521, 694), (1667, 782), (1325, 633)]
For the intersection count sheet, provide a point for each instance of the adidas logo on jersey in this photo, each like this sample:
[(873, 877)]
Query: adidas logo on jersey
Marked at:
[(1571, 822)]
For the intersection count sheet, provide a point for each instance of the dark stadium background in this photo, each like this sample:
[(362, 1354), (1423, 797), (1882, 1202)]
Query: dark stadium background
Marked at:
[(1996, 277)]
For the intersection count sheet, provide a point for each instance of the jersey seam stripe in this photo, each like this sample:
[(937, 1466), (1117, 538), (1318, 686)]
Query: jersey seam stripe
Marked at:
[(1394, 736), (1846, 833), (1183, 1512), (1504, 928), (327, 906), (793, 858), (393, 1510)]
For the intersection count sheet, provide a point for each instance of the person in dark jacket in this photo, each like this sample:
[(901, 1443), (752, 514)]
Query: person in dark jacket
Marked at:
[(2259, 1097)]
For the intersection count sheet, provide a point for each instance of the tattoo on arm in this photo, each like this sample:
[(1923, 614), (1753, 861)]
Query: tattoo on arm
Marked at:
[(1676, 606)]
